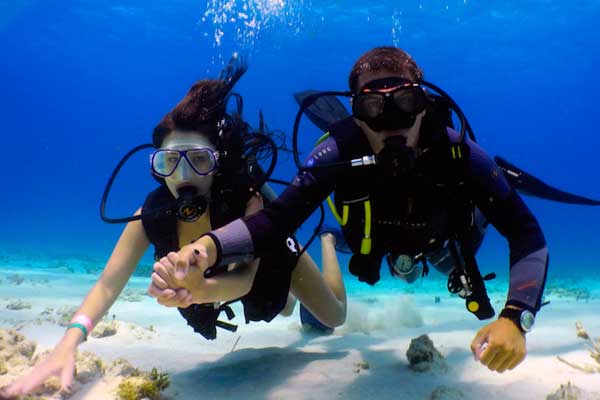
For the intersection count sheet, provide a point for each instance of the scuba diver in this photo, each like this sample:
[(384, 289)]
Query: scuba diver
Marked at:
[(408, 189), (206, 161)]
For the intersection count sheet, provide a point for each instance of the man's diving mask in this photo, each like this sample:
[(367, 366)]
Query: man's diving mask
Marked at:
[(202, 160), (391, 110)]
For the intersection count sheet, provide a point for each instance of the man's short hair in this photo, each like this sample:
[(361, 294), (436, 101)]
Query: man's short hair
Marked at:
[(386, 58)]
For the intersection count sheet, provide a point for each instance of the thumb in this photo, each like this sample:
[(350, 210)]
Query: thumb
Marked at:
[(185, 257)]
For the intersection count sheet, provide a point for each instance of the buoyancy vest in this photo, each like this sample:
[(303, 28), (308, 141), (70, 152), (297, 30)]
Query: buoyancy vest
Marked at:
[(412, 214), (271, 284)]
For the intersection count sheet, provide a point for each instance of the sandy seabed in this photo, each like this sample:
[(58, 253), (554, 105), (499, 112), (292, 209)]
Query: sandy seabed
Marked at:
[(363, 359)]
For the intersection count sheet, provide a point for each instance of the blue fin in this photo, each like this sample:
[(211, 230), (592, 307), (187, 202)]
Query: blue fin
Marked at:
[(324, 111), (532, 186)]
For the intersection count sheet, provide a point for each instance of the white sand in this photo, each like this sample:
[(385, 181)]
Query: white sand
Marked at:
[(279, 361)]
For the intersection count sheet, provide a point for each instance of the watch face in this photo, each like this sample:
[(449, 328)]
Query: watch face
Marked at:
[(527, 320)]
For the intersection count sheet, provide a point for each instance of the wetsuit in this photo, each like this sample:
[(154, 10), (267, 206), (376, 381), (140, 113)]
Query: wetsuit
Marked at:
[(407, 214), (271, 285)]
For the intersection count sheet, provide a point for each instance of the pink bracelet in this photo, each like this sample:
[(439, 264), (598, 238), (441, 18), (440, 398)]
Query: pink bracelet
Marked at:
[(83, 320)]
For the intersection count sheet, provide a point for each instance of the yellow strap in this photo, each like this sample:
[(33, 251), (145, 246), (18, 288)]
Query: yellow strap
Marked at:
[(322, 138), (343, 220), (365, 244)]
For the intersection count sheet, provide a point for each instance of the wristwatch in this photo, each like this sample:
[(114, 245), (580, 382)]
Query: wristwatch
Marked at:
[(523, 319)]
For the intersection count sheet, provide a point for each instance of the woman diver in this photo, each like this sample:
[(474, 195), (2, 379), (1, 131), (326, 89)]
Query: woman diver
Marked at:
[(206, 178)]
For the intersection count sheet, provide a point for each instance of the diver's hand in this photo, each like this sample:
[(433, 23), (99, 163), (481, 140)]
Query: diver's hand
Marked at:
[(61, 363), (201, 253), (167, 290), (499, 345), (173, 292)]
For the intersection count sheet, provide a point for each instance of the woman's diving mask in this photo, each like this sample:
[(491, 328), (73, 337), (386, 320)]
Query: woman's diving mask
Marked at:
[(189, 204), (202, 160)]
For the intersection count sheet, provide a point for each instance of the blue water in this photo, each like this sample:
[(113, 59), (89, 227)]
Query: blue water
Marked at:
[(84, 81)]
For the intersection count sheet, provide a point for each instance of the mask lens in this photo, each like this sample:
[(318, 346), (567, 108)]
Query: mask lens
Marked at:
[(165, 161), (368, 105), (202, 160), (410, 99)]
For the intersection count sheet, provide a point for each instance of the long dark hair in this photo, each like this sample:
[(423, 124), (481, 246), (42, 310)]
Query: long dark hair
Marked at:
[(204, 110)]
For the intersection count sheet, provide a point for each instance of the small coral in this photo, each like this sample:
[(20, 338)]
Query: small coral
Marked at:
[(446, 393), (88, 367), (423, 356), (15, 279), (3, 368), (577, 293), (133, 296), (122, 367), (593, 345), (572, 392), (105, 329), (14, 349), (18, 305), (65, 314), (148, 385)]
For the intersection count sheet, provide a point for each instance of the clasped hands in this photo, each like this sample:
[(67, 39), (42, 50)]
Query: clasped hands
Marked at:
[(178, 279)]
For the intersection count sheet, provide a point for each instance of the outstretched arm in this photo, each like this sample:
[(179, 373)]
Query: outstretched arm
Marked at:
[(252, 236), (127, 253), (501, 345)]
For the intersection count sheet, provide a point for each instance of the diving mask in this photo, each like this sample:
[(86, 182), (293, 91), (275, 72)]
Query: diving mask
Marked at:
[(164, 162), (384, 110)]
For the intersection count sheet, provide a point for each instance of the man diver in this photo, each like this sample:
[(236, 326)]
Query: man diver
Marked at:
[(425, 196)]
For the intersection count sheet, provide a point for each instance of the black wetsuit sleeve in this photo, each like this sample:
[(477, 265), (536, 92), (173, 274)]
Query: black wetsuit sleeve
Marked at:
[(252, 236), (507, 212)]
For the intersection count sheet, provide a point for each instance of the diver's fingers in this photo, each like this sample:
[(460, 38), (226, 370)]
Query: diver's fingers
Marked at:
[(172, 260), (488, 355), (185, 257), (189, 300), (158, 281), (180, 296), (479, 342), (507, 362), (516, 360), (10, 391), (35, 378), (501, 357), (66, 375), (160, 294), (162, 270)]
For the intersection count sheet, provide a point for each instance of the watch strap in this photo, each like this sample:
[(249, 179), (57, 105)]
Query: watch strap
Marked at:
[(514, 315)]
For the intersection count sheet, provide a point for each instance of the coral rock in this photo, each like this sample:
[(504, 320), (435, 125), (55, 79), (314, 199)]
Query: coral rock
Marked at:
[(447, 393), (572, 392), (88, 367), (18, 305), (423, 356), (105, 329), (122, 367)]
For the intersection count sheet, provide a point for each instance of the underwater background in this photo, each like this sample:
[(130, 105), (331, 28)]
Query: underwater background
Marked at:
[(84, 81)]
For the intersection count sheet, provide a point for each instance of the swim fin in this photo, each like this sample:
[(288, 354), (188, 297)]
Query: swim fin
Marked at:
[(532, 186), (324, 111)]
